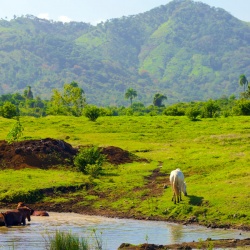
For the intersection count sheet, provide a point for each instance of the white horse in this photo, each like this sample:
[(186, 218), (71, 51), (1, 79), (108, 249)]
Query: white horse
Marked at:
[(178, 185)]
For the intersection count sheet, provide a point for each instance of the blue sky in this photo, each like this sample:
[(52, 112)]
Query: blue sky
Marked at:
[(94, 11)]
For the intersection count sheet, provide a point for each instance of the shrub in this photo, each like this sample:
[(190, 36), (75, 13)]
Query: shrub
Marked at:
[(210, 109), (8, 110), (89, 156), (15, 133), (92, 112), (242, 107), (174, 110), (192, 113)]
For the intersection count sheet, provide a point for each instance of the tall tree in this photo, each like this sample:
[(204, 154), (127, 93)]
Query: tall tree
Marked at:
[(28, 93), (130, 94), (243, 81), (158, 99), (71, 102)]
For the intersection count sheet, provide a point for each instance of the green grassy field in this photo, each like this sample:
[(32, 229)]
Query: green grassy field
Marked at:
[(212, 153)]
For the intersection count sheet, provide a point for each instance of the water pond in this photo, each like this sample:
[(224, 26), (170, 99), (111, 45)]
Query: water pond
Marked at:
[(112, 232)]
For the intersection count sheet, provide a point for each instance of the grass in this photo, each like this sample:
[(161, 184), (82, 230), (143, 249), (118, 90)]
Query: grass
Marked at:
[(66, 240), (212, 153)]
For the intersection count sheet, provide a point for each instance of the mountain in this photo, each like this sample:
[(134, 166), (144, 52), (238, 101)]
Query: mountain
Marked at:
[(185, 50)]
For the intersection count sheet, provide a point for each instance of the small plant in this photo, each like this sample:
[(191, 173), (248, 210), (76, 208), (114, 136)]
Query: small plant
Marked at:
[(15, 133), (89, 160), (63, 241), (94, 170), (98, 239)]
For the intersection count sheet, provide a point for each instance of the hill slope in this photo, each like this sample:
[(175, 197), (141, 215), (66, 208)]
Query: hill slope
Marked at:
[(185, 50)]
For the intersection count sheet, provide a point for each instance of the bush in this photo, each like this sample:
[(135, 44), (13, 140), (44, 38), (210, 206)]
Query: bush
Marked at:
[(192, 113), (8, 110), (89, 156), (174, 110), (92, 112), (242, 107)]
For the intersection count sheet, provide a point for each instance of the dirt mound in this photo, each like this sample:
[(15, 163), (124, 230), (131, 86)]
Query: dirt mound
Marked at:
[(36, 153), (50, 152), (117, 155)]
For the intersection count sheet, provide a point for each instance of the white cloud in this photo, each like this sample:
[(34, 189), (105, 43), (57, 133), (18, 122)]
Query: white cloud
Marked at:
[(64, 19), (95, 22), (44, 16)]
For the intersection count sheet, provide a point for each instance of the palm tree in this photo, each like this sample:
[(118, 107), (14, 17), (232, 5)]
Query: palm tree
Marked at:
[(243, 81), (158, 99), (130, 94)]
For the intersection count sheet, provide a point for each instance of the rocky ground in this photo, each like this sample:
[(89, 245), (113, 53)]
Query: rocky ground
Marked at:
[(49, 152)]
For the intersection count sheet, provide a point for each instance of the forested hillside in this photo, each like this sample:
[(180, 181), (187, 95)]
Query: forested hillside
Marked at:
[(185, 50)]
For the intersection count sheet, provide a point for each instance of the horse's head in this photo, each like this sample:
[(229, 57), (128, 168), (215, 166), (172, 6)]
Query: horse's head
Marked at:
[(26, 212), (184, 189), (22, 204)]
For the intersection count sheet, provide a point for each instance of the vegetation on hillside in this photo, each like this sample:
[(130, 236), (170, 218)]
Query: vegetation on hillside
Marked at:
[(185, 50)]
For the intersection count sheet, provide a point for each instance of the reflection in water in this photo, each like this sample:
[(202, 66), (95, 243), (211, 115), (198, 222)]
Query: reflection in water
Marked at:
[(176, 233), (111, 231)]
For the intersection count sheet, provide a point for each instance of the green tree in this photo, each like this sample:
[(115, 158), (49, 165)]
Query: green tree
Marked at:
[(92, 112), (246, 93), (242, 107), (158, 99), (192, 113), (28, 93), (210, 109), (243, 81), (71, 102), (8, 110), (130, 94), (16, 132)]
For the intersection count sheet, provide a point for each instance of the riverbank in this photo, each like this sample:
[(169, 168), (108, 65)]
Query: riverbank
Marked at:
[(207, 244)]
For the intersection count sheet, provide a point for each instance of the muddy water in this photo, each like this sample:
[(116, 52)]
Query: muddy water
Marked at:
[(112, 232)]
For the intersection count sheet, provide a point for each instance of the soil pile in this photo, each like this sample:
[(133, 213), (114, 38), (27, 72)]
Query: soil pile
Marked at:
[(116, 155), (49, 152), (36, 153)]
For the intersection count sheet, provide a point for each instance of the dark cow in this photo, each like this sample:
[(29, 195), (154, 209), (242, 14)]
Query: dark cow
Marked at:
[(16, 217), (33, 212)]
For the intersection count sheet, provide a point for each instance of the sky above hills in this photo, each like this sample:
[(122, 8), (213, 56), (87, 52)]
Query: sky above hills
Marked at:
[(94, 11)]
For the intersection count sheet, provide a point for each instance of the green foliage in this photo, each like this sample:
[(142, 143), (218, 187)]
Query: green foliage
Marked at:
[(8, 110), (92, 112), (15, 132), (243, 81), (192, 113), (23, 195), (210, 109), (174, 110), (130, 94), (158, 99), (87, 157), (152, 51), (242, 107), (28, 93), (71, 102), (66, 240)]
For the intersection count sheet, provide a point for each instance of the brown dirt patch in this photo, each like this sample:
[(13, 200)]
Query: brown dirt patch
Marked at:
[(49, 152)]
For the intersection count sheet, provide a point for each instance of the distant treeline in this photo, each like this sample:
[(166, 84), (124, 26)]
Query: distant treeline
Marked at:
[(72, 102)]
